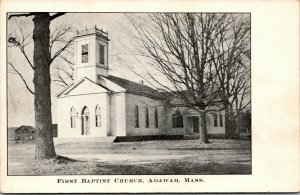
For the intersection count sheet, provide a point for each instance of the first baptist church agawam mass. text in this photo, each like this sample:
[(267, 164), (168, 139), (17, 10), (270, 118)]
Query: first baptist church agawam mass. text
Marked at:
[(131, 180)]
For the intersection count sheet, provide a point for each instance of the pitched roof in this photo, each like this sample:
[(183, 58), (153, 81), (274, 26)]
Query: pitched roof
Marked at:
[(136, 88), (73, 85), (30, 128), (64, 89)]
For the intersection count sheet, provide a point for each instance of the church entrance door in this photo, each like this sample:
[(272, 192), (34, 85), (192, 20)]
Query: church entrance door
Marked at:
[(85, 124)]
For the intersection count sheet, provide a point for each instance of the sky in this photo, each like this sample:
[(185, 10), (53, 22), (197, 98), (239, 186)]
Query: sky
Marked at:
[(20, 101)]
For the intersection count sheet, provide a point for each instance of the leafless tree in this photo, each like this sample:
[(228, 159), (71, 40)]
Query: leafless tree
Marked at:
[(43, 57), (61, 54), (178, 47), (232, 46)]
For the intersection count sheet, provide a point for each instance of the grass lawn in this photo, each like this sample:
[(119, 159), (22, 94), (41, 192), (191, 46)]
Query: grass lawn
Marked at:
[(150, 157)]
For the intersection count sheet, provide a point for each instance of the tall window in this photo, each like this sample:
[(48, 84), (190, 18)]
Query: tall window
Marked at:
[(72, 117), (146, 117), (136, 113), (177, 119), (156, 118), (101, 54), (221, 120), (85, 53), (215, 119), (98, 116), (85, 121)]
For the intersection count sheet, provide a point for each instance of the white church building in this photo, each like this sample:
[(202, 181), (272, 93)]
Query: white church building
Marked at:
[(98, 104)]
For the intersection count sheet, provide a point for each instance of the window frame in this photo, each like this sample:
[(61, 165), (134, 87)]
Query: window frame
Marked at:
[(85, 116), (85, 53), (146, 117), (221, 119), (100, 56), (215, 115), (156, 118), (98, 116), (177, 120), (72, 116), (136, 115)]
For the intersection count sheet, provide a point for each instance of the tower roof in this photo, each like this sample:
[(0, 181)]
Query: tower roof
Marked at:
[(90, 31)]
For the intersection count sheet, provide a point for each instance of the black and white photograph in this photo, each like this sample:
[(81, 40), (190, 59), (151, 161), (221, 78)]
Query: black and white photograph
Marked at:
[(129, 93), (149, 96)]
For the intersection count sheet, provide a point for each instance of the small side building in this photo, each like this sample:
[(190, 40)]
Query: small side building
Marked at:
[(25, 133)]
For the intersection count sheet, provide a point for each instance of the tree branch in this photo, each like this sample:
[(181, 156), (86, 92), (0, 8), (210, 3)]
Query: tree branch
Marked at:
[(20, 15), (24, 81), (57, 15), (61, 50)]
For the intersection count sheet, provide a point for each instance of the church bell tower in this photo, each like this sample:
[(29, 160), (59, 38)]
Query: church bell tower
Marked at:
[(91, 54)]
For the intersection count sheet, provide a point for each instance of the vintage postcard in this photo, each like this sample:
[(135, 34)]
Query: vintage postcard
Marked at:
[(149, 97)]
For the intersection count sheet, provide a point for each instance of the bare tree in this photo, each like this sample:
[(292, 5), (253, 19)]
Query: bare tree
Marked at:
[(178, 47), (63, 70), (232, 46), (43, 57), (61, 55)]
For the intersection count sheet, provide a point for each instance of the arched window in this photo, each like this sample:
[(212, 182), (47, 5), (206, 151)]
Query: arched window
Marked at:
[(98, 116), (85, 121), (221, 120), (177, 119), (215, 119), (156, 118), (85, 111), (136, 114), (72, 114), (146, 117)]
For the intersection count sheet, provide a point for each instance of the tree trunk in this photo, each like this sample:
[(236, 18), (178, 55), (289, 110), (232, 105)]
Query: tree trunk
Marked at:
[(228, 130), (203, 129), (238, 121), (42, 81)]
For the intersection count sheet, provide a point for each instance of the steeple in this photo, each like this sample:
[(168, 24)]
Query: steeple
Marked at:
[(91, 54)]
